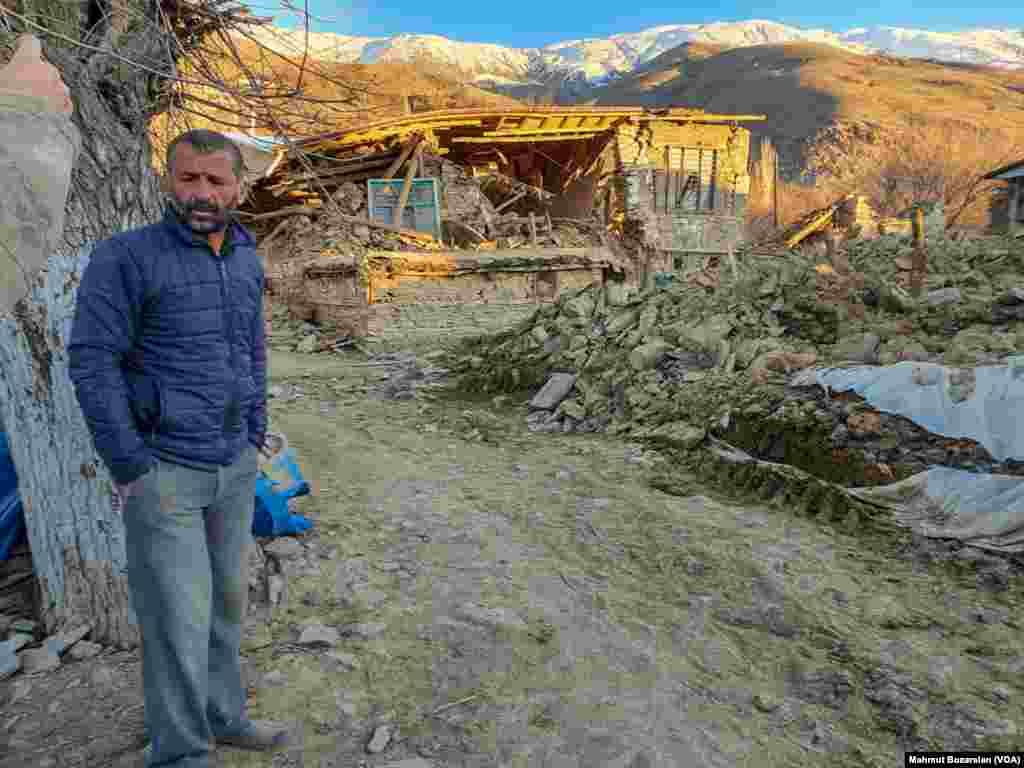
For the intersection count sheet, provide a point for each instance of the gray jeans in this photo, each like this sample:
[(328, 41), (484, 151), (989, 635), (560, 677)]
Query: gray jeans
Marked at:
[(187, 534)]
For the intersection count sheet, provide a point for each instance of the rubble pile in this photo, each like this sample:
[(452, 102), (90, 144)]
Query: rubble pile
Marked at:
[(470, 220), (293, 334), (679, 363)]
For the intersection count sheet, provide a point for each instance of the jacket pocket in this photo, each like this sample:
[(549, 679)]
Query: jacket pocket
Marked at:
[(147, 400)]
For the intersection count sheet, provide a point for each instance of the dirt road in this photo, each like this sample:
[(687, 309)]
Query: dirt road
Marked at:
[(474, 594)]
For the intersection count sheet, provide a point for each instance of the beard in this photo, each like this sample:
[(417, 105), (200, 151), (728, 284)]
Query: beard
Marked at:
[(212, 218)]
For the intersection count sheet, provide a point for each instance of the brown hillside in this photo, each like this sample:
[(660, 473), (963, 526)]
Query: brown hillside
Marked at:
[(332, 95), (803, 88)]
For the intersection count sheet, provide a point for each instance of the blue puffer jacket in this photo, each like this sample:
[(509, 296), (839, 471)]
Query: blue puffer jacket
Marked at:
[(167, 349)]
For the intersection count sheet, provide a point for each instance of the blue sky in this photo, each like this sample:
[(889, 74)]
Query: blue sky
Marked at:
[(530, 23)]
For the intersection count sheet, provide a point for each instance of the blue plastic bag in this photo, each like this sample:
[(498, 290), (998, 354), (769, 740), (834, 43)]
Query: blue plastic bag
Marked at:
[(272, 516), (12, 513), (280, 480)]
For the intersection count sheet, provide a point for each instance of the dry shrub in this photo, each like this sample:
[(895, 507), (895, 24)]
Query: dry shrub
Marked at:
[(925, 162)]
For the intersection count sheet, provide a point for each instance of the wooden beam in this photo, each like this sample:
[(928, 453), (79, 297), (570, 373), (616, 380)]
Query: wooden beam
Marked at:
[(302, 210), (519, 139), (333, 173), (403, 198), (1013, 207), (509, 202), (403, 156)]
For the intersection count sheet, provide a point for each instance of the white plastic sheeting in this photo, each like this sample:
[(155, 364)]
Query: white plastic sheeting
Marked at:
[(982, 404)]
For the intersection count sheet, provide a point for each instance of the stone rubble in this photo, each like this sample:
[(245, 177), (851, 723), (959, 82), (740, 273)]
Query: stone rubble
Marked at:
[(686, 361)]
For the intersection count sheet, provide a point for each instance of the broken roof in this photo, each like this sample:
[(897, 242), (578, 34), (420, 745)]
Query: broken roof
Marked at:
[(496, 126)]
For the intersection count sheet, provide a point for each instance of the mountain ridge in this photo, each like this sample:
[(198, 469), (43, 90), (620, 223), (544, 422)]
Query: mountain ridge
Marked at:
[(579, 64)]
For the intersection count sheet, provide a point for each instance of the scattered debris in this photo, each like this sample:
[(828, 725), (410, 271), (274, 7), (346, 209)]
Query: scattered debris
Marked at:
[(675, 363)]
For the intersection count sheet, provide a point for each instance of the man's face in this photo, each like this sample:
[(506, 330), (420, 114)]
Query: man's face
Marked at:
[(204, 188)]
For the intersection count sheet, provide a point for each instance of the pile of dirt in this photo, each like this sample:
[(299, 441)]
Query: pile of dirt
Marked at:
[(684, 361)]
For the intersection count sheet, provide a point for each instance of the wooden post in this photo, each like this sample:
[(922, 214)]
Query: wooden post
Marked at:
[(1013, 210), (920, 257), (402, 157), (403, 198), (775, 188)]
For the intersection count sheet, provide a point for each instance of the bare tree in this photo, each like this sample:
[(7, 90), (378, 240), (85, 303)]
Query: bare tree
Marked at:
[(926, 162)]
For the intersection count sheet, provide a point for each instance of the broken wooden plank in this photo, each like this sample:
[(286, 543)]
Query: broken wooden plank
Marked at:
[(509, 202), (403, 198), (407, 150), (345, 170), (301, 210)]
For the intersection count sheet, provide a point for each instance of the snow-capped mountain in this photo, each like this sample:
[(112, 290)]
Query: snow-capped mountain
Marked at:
[(592, 61)]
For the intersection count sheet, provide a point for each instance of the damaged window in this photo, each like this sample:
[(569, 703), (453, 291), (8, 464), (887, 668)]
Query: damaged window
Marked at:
[(686, 181)]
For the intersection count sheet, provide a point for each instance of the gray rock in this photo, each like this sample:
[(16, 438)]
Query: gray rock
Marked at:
[(10, 662), (649, 355), (67, 639), (695, 567), (318, 634), (285, 548), (488, 617), (346, 661), (345, 701), (830, 688), (942, 669), (365, 631), (1013, 296), (312, 599), (374, 598), (766, 702), (276, 390), (557, 388), (274, 679), (380, 739), (39, 660), (537, 417), (277, 590), (1001, 694), (412, 762), (102, 678), (944, 296)]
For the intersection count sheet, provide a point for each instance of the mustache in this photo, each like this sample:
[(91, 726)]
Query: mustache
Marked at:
[(203, 206)]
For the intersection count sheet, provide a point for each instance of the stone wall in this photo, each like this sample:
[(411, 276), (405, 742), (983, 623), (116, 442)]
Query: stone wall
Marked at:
[(391, 306), (412, 322)]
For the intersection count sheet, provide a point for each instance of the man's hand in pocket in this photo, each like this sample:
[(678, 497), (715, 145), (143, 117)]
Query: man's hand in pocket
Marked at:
[(124, 492)]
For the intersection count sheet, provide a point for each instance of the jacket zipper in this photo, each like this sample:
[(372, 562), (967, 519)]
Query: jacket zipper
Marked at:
[(229, 330)]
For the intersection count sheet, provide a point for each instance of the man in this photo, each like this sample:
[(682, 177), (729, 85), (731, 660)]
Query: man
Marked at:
[(168, 361)]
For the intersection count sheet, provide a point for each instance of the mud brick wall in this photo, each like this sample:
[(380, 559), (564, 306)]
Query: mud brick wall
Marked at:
[(699, 232), (459, 305), (391, 322)]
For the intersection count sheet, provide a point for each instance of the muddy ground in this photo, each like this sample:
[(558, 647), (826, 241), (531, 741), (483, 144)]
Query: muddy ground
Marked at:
[(474, 594)]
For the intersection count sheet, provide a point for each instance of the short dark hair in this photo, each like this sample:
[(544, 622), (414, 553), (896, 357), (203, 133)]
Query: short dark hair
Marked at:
[(205, 142)]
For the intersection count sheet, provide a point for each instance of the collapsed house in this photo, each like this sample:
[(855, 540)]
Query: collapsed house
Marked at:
[(852, 215), (469, 218)]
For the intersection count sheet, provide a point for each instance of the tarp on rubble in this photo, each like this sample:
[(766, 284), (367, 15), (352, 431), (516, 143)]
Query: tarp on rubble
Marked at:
[(984, 404)]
